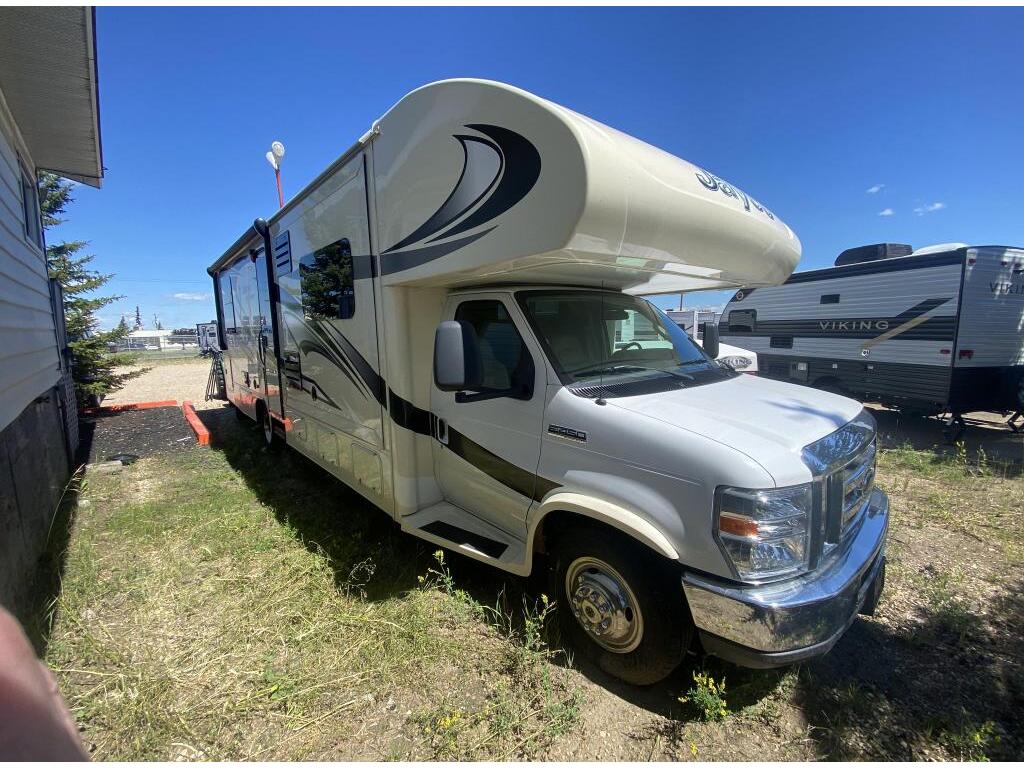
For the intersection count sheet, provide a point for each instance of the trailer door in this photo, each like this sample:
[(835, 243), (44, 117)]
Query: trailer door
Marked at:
[(263, 329)]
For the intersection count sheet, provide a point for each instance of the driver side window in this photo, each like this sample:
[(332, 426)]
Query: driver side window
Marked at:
[(505, 361)]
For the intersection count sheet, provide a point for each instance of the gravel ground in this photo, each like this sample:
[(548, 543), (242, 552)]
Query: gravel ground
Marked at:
[(184, 380)]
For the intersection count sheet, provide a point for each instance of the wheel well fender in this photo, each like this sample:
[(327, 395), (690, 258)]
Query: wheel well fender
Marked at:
[(600, 510)]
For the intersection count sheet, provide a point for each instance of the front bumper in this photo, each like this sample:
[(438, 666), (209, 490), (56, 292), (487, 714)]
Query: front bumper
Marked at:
[(777, 624)]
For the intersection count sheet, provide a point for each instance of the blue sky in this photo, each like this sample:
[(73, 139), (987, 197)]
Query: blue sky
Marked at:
[(808, 110)]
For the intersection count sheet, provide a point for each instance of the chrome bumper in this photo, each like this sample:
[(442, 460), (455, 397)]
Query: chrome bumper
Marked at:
[(782, 623)]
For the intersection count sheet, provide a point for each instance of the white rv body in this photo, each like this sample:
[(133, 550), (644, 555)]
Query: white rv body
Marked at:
[(941, 329), (479, 205)]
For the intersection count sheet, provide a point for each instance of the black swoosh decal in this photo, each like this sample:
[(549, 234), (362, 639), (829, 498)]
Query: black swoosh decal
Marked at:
[(420, 421), (522, 169), (398, 262), (475, 181), (496, 174)]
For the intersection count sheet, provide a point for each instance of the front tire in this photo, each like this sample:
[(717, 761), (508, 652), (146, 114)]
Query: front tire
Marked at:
[(620, 604)]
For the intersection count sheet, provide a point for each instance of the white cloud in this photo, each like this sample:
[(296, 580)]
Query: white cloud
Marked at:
[(192, 296), (875, 189), (886, 212), (921, 210)]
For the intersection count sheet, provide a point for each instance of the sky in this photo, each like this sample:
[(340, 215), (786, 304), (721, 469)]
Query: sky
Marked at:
[(854, 126)]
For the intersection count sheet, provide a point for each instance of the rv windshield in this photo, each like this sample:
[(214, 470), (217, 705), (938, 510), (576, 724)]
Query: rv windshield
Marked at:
[(591, 335)]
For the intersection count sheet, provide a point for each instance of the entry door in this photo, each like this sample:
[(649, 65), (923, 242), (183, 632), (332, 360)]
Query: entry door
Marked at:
[(487, 444), (264, 331)]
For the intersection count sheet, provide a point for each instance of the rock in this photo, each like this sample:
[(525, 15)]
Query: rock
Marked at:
[(105, 467)]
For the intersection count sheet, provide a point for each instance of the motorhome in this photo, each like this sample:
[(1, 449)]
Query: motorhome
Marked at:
[(433, 319), (936, 330)]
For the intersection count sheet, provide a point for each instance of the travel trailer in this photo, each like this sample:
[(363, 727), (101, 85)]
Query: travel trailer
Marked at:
[(207, 335), (695, 321), (433, 320), (936, 330)]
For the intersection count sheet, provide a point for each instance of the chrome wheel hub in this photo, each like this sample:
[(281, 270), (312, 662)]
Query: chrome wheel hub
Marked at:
[(604, 605)]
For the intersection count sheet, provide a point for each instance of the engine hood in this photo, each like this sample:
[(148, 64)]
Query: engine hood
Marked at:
[(769, 421)]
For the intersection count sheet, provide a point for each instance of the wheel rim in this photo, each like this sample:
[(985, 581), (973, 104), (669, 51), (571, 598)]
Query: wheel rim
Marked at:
[(604, 605), (268, 429)]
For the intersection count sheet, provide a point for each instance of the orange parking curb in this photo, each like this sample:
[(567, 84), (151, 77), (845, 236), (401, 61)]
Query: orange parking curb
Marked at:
[(202, 433), (129, 407)]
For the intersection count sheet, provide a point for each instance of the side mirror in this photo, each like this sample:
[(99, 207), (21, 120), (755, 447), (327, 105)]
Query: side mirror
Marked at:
[(711, 340), (456, 357)]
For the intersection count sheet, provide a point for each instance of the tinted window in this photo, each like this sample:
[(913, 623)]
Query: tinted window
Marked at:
[(328, 287), (830, 298), (742, 320), (504, 358)]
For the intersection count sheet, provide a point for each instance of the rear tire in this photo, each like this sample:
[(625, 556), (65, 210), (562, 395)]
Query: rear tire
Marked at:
[(270, 438), (620, 604)]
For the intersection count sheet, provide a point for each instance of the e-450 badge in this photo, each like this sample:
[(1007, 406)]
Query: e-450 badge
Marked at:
[(568, 433)]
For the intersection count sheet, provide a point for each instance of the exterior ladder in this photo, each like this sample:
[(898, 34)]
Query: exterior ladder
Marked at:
[(216, 389)]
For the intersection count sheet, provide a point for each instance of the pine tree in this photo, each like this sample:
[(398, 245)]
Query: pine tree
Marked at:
[(94, 367)]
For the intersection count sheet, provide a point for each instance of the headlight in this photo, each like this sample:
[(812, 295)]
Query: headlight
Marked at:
[(736, 362), (764, 533)]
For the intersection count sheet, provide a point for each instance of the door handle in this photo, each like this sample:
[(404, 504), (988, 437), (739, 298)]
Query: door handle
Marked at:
[(441, 431)]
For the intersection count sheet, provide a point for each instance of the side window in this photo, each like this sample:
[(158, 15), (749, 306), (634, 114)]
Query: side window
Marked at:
[(328, 286), (830, 298), (504, 358), (742, 320), (30, 208), (227, 303)]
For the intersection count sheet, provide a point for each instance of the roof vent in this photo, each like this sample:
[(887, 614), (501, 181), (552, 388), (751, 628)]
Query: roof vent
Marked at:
[(940, 248), (872, 253)]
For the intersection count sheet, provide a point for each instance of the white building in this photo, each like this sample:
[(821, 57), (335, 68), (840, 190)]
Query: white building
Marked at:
[(49, 120)]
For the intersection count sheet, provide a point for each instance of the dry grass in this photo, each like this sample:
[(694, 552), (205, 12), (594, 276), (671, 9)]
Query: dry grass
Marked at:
[(194, 622), (233, 604)]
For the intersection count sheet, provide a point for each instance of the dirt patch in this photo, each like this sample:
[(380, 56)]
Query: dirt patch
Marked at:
[(147, 432)]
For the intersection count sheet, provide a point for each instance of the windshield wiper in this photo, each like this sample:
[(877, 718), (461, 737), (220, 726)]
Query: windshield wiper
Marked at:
[(608, 369)]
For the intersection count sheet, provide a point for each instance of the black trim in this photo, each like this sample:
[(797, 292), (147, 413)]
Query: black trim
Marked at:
[(222, 341), (409, 416), (924, 386), (274, 297), (940, 328), (882, 266), (457, 535), (398, 262)]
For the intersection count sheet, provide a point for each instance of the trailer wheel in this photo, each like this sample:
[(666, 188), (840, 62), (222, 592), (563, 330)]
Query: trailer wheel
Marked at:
[(620, 604)]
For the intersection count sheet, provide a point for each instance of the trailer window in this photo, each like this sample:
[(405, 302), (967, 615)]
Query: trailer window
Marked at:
[(742, 320), (830, 298), (30, 208), (328, 287), (506, 362)]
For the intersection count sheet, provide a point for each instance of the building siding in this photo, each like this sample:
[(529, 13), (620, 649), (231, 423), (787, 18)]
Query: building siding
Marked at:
[(29, 359)]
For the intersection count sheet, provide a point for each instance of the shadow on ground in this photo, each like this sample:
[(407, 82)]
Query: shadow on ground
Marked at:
[(887, 691)]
